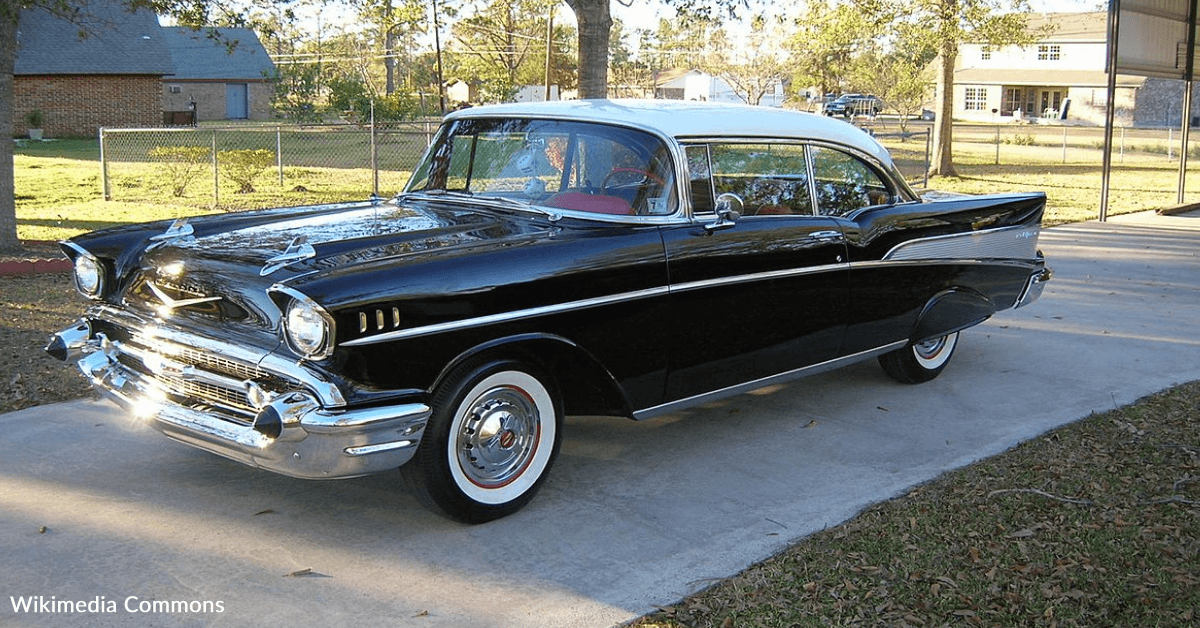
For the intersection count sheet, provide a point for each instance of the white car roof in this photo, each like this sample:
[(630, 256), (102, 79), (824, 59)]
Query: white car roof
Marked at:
[(682, 119)]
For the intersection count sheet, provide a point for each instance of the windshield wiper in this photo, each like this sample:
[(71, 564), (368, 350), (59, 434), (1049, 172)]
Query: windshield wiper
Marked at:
[(505, 201)]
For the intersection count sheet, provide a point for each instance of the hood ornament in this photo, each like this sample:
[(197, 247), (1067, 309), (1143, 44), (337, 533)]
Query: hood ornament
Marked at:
[(297, 251), (179, 230)]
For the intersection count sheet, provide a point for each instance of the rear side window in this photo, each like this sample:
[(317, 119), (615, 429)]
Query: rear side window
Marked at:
[(770, 178), (845, 183)]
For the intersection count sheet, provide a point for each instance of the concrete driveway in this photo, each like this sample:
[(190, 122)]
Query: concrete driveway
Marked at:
[(635, 514)]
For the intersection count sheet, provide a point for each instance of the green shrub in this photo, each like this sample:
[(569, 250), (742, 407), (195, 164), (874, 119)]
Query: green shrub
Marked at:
[(244, 166), (181, 164), (1021, 140)]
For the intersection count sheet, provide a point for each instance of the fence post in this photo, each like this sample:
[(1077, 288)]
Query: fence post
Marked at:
[(279, 153), (104, 186), (216, 178), (374, 155), (997, 144)]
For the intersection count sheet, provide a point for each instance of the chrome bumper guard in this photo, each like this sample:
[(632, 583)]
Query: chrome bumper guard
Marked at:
[(1034, 286), (291, 433)]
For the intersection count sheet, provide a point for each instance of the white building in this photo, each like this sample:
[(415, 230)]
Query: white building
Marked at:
[(684, 84), (1061, 77)]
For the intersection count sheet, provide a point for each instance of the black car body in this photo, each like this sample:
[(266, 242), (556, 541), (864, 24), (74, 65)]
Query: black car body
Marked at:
[(620, 258)]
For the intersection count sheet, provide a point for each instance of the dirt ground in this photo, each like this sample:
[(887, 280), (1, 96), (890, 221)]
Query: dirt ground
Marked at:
[(32, 307)]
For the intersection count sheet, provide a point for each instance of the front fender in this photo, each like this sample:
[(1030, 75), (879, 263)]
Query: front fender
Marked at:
[(586, 385), (952, 310)]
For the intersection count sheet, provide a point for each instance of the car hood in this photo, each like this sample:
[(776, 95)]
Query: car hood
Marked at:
[(223, 269)]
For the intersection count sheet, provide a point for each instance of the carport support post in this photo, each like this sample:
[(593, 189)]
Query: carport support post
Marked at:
[(1188, 70)]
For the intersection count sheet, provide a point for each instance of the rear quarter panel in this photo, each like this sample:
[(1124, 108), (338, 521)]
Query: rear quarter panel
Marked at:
[(901, 257)]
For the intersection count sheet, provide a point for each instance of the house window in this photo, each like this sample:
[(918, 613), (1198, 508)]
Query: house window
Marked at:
[(1014, 99), (976, 99), (1049, 52), (985, 54), (175, 89)]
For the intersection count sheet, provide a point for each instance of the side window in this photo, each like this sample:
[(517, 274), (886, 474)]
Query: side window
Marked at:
[(700, 179), (771, 179), (845, 183)]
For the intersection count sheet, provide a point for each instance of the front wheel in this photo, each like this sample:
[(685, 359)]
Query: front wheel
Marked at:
[(921, 361), (495, 430)]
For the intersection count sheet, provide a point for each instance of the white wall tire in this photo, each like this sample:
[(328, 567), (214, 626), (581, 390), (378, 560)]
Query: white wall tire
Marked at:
[(919, 362), (494, 434)]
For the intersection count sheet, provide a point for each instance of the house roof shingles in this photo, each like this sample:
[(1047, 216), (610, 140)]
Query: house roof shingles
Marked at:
[(103, 38), (199, 57)]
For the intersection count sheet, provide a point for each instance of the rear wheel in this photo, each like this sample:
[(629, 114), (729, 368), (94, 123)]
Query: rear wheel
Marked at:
[(495, 431), (921, 361)]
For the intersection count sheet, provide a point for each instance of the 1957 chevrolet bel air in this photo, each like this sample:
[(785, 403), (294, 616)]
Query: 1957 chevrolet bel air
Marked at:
[(623, 258)]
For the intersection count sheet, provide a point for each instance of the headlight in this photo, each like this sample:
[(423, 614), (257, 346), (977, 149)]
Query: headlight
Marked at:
[(89, 276), (308, 328)]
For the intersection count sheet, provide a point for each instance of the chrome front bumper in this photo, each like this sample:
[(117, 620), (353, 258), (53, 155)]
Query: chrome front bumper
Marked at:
[(287, 431)]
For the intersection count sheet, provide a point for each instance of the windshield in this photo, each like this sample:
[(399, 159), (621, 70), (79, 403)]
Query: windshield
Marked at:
[(555, 164)]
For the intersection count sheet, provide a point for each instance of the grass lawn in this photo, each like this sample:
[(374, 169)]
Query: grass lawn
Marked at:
[(59, 192)]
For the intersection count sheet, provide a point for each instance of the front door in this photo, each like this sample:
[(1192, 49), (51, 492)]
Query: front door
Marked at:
[(236, 101), (765, 295)]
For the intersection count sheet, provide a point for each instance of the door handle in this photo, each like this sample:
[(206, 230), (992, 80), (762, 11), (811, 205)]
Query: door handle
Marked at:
[(826, 236)]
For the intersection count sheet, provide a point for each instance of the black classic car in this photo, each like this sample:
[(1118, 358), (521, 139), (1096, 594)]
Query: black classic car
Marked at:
[(624, 258)]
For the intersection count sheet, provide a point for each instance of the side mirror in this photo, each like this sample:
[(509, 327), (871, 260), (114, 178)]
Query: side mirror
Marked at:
[(729, 209)]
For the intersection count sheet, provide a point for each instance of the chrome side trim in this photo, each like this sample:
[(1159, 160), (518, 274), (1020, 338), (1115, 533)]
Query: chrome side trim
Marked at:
[(765, 275), (1018, 242), (738, 389), (941, 261), (505, 317)]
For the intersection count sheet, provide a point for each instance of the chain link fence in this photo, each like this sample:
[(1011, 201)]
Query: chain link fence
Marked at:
[(910, 151), (254, 167)]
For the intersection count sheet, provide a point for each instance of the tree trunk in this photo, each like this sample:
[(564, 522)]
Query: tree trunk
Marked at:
[(595, 23), (8, 203), (943, 129)]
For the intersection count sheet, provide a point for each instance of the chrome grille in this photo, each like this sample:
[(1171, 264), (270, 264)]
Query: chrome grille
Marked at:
[(198, 377), (208, 392), (219, 364)]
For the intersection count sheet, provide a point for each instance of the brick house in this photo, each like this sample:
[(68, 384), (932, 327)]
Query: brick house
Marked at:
[(219, 83), (1061, 77), (111, 76)]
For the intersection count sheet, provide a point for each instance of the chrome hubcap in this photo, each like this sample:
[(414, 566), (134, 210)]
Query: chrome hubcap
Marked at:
[(498, 437), (930, 349)]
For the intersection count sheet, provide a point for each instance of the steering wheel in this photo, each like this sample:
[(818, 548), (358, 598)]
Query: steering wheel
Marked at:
[(616, 171)]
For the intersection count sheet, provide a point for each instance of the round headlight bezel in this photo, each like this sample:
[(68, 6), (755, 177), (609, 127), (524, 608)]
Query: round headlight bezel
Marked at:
[(308, 329), (89, 274)]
